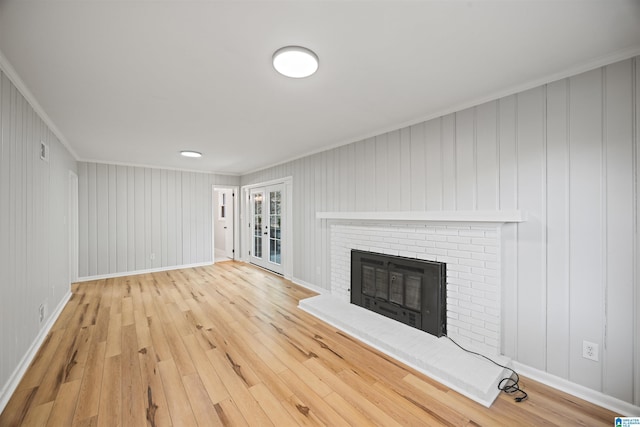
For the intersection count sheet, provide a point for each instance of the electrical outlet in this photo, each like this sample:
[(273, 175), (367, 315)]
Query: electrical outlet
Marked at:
[(153, 256), (590, 350), (41, 312)]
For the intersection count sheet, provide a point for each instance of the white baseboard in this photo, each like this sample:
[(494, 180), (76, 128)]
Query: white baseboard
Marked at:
[(618, 406), (151, 270), (310, 286), (14, 380)]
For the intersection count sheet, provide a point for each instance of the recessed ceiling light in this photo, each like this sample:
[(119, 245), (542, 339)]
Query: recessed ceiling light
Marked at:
[(189, 153), (295, 61)]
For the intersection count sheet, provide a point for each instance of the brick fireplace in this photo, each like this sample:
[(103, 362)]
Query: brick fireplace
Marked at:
[(471, 245), (472, 255)]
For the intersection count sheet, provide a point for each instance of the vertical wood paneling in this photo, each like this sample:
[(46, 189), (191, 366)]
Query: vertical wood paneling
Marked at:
[(180, 201), (319, 180), (393, 170), (121, 247), (163, 208), (418, 184), (156, 219), (433, 164), (405, 168), (449, 184), (531, 234), (187, 216), (508, 153), (369, 162), (148, 219), (619, 221), (205, 221), (336, 194), (5, 249), (198, 238), (309, 265), (487, 157), (18, 239), (112, 218), (465, 160), (83, 220), (362, 186), (586, 224), (558, 229), (32, 130), (102, 218), (33, 228), (508, 200), (139, 219), (13, 285), (131, 220), (172, 220), (93, 217), (381, 174), (325, 181), (138, 212), (329, 196), (343, 183)]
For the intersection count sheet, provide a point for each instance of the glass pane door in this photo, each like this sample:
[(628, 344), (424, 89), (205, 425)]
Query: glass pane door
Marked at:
[(257, 202), (266, 227), (275, 222)]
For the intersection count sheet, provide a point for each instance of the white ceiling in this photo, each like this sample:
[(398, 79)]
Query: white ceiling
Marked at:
[(135, 82)]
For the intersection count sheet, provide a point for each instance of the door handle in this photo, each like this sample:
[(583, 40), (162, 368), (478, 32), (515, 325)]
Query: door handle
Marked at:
[(265, 233)]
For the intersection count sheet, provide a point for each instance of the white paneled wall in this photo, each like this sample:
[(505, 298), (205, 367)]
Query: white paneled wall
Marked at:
[(135, 218), (34, 260), (567, 154)]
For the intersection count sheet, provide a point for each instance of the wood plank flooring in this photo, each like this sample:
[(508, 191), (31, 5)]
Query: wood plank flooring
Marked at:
[(226, 345)]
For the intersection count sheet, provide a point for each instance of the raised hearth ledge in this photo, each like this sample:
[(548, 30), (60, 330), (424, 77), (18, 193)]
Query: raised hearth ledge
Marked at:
[(437, 358), (436, 216)]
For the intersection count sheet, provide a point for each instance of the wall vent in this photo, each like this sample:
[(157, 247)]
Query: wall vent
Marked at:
[(44, 151)]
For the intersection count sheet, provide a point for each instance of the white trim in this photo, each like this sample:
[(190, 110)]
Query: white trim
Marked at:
[(14, 380), (146, 166), (618, 406), (310, 286), (437, 216), (11, 73), (282, 180), (151, 270)]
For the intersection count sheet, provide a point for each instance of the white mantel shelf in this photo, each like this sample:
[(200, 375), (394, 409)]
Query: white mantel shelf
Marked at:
[(428, 216)]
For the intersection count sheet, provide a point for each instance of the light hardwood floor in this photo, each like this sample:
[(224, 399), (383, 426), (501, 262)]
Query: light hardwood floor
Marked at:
[(227, 345)]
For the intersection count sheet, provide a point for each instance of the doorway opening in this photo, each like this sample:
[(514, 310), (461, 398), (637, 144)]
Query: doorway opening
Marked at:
[(224, 223)]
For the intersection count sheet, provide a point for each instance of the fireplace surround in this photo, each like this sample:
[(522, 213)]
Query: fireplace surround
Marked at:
[(471, 243)]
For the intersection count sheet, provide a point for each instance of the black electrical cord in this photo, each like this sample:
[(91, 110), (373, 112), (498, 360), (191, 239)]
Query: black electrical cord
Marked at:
[(508, 385)]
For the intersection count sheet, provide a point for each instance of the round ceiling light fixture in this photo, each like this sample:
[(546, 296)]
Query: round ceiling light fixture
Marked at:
[(190, 153), (295, 61)]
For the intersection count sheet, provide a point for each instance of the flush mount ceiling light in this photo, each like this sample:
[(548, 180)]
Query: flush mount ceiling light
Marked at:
[(295, 61), (189, 153)]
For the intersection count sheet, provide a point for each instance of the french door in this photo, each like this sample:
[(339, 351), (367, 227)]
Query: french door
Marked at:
[(266, 227)]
